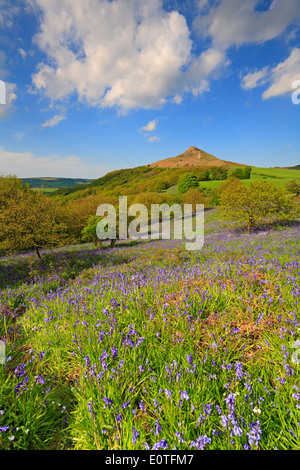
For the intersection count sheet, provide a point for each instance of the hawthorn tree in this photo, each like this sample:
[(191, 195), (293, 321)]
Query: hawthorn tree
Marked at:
[(259, 202), (29, 220)]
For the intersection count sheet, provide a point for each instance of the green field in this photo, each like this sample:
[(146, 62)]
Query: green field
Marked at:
[(279, 176)]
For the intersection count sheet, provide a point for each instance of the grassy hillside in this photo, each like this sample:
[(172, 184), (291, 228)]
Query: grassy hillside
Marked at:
[(155, 179), (52, 184), (150, 347)]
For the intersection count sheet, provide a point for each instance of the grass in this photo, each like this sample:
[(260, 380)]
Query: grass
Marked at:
[(150, 346)]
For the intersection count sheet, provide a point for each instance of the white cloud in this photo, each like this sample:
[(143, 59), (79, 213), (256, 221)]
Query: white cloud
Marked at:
[(26, 165), (7, 13), (7, 108), (283, 76), (154, 139), (53, 121), (22, 52), (126, 53), (252, 80), (279, 79), (239, 22), (151, 126)]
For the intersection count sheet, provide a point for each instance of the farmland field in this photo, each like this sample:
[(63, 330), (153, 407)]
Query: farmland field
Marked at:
[(148, 346)]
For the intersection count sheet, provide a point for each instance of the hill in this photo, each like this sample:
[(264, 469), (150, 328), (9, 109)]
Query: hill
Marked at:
[(51, 184), (194, 157), (296, 167), (154, 177)]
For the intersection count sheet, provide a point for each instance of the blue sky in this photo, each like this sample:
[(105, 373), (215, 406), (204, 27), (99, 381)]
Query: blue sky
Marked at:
[(98, 85)]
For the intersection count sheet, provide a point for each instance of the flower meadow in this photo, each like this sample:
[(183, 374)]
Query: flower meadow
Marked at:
[(147, 346)]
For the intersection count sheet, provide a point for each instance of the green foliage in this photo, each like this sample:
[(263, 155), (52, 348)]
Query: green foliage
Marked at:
[(89, 233), (218, 173), (293, 187), (241, 173), (188, 181), (29, 220), (193, 196), (259, 202)]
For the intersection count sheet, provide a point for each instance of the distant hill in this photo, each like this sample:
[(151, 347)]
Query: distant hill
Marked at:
[(54, 183), (153, 177), (194, 157), (296, 167)]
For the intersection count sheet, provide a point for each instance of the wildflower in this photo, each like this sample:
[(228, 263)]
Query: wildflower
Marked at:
[(230, 400), (238, 370), (189, 359), (39, 379), (142, 405), (179, 436), (160, 445), (135, 435), (256, 411), (168, 393), (158, 427), (114, 351), (236, 430), (224, 421), (107, 401), (4, 428), (125, 405), (254, 434), (201, 442), (184, 395)]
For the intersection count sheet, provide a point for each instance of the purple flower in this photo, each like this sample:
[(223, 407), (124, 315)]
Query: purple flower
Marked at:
[(158, 427), (160, 445), (238, 370), (107, 401), (254, 434), (142, 406), (114, 351), (189, 359), (168, 393), (4, 428), (179, 435), (224, 421), (230, 400), (39, 379), (125, 405), (135, 435), (201, 442), (184, 395)]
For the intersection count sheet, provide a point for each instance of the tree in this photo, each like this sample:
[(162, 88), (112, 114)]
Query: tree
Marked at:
[(29, 220), (260, 202), (237, 173), (293, 187), (89, 232), (194, 197), (247, 172), (186, 182), (218, 173)]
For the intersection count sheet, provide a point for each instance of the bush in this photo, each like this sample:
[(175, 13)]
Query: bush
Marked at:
[(186, 182)]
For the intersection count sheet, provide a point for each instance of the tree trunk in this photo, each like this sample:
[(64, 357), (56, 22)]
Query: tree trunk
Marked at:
[(37, 252)]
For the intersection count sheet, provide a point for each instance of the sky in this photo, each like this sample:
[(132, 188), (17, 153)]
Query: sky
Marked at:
[(92, 86)]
